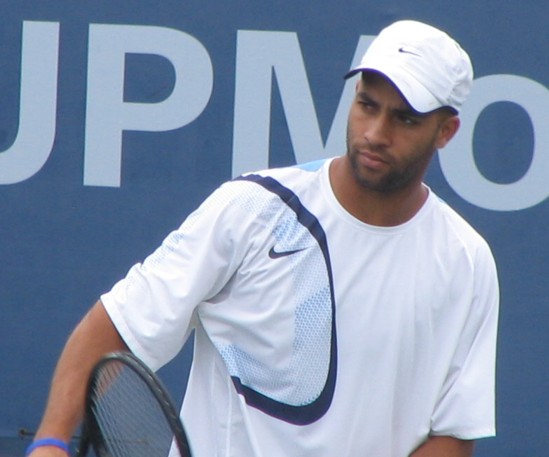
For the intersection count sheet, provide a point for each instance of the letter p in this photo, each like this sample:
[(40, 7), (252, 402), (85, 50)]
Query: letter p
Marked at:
[(108, 115)]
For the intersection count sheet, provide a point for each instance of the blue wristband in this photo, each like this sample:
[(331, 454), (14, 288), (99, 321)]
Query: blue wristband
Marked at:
[(47, 442)]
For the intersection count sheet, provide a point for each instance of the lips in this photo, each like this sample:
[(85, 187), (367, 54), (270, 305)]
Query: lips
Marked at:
[(371, 160)]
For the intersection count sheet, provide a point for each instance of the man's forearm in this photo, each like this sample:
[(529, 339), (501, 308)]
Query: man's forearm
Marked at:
[(444, 446), (92, 338)]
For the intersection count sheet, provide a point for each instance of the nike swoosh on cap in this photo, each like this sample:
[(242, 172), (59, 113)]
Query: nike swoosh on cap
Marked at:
[(407, 51)]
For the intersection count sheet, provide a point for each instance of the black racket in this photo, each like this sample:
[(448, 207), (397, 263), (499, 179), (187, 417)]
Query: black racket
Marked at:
[(129, 413)]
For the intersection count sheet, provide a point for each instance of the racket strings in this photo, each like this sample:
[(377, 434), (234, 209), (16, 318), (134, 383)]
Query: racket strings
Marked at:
[(129, 417)]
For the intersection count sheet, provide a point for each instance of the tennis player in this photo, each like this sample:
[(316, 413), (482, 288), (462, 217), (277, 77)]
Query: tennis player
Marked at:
[(339, 308)]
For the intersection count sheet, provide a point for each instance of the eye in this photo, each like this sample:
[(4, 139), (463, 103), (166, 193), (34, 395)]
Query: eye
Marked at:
[(366, 104), (408, 119)]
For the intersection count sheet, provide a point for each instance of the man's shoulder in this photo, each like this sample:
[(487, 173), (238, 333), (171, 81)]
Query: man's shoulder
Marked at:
[(455, 223), (293, 178), (301, 170)]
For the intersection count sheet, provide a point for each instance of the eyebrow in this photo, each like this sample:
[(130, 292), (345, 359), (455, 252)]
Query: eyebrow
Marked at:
[(407, 110)]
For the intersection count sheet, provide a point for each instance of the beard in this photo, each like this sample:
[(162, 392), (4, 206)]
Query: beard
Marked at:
[(400, 175)]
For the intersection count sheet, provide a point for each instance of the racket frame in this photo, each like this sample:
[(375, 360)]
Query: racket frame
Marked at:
[(91, 432)]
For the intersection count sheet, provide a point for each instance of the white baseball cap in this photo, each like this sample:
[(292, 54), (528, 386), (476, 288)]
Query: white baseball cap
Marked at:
[(427, 66)]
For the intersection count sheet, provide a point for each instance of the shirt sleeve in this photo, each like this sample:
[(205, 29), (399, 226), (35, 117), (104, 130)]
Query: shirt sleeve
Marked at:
[(153, 307), (466, 405)]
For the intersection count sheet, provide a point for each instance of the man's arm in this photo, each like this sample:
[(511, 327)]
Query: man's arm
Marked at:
[(444, 446), (94, 336)]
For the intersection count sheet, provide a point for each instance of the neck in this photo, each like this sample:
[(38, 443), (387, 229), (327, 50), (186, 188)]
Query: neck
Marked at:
[(373, 207)]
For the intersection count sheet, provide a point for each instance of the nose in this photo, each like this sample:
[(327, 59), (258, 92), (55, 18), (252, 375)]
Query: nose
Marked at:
[(378, 132)]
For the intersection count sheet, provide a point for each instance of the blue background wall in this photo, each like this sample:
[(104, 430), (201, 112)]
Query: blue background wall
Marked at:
[(66, 237)]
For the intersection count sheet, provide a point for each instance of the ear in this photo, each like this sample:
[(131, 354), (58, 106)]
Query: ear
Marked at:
[(447, 129)]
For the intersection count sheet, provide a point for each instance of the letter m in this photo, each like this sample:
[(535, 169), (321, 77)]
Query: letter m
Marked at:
[(260, 56)]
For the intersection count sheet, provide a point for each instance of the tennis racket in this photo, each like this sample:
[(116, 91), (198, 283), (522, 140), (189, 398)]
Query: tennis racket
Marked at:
[(128, 412)]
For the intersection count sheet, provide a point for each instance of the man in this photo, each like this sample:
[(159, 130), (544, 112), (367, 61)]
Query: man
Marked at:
[(339, 308)]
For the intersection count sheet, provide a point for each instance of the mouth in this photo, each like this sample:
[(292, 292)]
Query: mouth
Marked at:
[(371, 160)]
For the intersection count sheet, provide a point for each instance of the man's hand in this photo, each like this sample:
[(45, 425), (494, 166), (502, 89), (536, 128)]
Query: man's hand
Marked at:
[(48, 451)]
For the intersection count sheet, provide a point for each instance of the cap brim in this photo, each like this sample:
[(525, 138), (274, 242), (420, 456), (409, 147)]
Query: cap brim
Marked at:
[(415, 94)]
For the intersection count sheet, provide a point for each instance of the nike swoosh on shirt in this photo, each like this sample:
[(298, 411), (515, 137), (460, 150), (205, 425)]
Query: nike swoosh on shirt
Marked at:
[(278, 254)]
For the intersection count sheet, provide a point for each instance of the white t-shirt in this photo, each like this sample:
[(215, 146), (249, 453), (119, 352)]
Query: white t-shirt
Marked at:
[(316, 334)]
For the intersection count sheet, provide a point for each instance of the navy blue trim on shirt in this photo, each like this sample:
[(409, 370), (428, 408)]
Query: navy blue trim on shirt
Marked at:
[(309, 413)]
